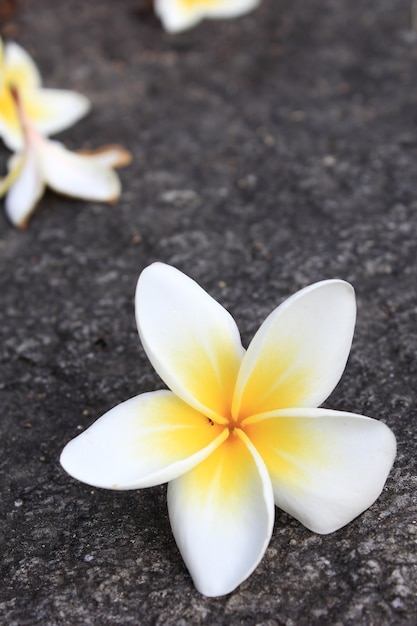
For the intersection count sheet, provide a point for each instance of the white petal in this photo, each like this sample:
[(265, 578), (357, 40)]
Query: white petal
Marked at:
[(178, 15), (190, 339), (26, 190), (110, 156), (142, 442), (326, 466), (77, 175), (222, 515), (10, 128), (20, 69), (48, 110), (53, 110), (10, 123), (299, 353), (14, 165)]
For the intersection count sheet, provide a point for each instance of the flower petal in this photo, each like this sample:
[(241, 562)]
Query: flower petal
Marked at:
[(53, 110), (326, 466), (16, 69), (110, 156), (222, 515), (49, 110), (20, 70), (142, 442), (26, 187), (299, 353), (10, 127), (178, 15), (15, 165), (77, 175), (190, 339)]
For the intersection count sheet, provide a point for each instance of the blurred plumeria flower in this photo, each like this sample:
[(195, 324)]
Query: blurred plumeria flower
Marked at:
[(43, 162), (240, 430), (48, 110), (178, 15)]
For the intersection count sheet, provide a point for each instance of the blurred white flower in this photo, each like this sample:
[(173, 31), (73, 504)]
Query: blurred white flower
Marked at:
[(48, 110), (178, 15), (43, 162)]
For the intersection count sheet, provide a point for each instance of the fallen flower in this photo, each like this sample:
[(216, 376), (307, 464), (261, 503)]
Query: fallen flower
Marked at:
[(237, 433), (43, 162), (49, 110), (178, 15)]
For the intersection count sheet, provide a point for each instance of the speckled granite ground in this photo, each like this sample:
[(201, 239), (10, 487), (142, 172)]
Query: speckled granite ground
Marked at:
[(269, 152)]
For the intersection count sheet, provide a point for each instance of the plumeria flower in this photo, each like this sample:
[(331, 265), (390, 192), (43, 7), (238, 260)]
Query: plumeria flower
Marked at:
[(48, 110), (178, 15), (239, 431), (43, 162)]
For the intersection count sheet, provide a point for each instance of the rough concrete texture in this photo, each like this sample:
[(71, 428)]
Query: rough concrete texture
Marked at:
[(269, 152)]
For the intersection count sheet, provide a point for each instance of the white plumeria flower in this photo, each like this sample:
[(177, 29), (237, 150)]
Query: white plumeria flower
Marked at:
[(49, 110), (43, 162), (239, 431), (178, 15)]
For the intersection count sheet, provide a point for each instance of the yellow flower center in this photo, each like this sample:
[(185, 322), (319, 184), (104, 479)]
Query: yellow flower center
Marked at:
[(232, 424)]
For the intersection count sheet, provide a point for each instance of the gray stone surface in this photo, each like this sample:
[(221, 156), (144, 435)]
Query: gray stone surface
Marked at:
[(269, 152)]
